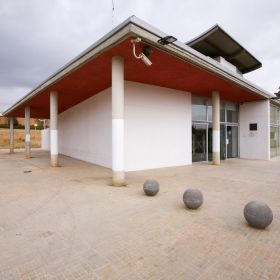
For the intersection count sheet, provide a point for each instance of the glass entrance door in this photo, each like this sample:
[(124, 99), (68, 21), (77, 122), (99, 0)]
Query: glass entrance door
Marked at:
[(199, 142), (232, 141), (223, 154), (210, 142), (202, 142)]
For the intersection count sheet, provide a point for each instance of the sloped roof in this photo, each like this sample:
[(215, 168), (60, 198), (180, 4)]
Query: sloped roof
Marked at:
[(175, 66), (216, 42)]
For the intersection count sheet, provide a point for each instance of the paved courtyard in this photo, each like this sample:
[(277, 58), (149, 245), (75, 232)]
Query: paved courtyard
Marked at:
[(70, 223)]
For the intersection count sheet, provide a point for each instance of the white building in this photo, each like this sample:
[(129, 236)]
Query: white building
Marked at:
[(192, 104)]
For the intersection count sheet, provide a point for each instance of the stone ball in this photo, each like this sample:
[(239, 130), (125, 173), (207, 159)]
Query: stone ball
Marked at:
[(151, 187), (193, 198), (258, 214)]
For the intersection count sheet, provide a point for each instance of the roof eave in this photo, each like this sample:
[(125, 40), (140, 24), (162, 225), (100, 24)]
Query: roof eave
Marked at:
[(136, 27)]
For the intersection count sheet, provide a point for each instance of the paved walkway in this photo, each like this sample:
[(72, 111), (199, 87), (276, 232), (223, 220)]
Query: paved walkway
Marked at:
[(70, 223)]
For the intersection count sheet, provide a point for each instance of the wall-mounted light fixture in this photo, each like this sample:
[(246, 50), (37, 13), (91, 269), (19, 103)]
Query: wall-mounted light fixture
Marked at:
[(146, 52), (167, 40)]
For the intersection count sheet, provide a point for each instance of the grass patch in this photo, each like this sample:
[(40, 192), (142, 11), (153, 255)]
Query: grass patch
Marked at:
[(19, 138)]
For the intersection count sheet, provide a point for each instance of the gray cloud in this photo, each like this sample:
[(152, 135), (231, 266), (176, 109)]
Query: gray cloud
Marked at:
[(39, 37)]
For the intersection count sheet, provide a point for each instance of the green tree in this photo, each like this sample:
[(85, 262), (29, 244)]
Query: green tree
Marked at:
[(41, 122), (15, 121)]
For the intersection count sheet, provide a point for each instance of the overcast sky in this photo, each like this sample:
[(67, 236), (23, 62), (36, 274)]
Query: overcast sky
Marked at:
[(37, 37)]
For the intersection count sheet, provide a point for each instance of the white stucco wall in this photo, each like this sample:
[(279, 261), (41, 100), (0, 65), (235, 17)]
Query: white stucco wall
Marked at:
[(254, 144), (45, 139), (157, 127), (85, 130)]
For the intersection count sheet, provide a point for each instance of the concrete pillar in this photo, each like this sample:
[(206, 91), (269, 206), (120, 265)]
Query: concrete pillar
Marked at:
[(118, 120), (27, 132), (54, 131), (11, 135), (216, 127)]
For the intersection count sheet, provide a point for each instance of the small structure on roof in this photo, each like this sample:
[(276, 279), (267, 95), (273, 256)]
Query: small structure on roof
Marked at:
[(216, 43)]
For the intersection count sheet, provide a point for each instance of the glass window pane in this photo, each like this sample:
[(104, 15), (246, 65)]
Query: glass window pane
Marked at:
[(273, 114), (222, 112), (209, 110), (199, 145), (210, 142), (198, 108), (222, 141), (232, 112), (274, 138)]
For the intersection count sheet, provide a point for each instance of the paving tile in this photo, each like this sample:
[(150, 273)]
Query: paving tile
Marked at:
[(70, 223)]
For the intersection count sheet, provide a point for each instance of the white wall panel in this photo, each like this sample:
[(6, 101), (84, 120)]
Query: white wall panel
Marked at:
[(45, 139), (157, 127), (254, 144), (85, 130)]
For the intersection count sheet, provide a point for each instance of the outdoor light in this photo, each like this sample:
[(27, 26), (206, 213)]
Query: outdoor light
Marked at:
[(146, 51), (167, 40)]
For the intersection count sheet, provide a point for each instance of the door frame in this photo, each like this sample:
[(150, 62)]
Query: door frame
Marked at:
[(226, 125)]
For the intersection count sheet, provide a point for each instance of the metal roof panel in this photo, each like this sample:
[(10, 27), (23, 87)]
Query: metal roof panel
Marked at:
[(216, 42)]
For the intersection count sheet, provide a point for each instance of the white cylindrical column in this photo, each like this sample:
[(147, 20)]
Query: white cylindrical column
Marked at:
[(216, 127), (118, 120), (11, 135), (54, 131), (27, 132)]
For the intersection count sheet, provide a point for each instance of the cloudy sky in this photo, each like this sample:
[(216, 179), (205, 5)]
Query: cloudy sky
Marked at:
[(37, 37)]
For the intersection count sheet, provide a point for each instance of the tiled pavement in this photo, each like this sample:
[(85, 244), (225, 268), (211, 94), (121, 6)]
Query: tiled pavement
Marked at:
[(70, 223)]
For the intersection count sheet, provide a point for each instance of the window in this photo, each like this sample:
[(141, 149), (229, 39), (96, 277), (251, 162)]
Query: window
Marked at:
[(198, 108), (232, 112), (202, 110), (274, 131), (274, 115)]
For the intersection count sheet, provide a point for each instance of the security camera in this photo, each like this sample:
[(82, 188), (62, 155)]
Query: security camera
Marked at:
[(145, 59), (146, 51)]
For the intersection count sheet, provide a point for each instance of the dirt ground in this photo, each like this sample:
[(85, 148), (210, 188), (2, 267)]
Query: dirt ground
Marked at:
[(19, 138)]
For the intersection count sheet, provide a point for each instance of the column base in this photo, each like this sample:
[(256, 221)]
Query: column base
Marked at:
[(118, 178), (27, 151), (216, 158), (54, 160), (11, 150)]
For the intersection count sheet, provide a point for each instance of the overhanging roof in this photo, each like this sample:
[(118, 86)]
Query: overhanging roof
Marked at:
[(175, 66), (216, 42)]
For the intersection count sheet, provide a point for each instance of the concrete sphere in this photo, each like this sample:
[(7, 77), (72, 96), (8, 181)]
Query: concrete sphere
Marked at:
[(151, 187), (193, 198), (258, 214)]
